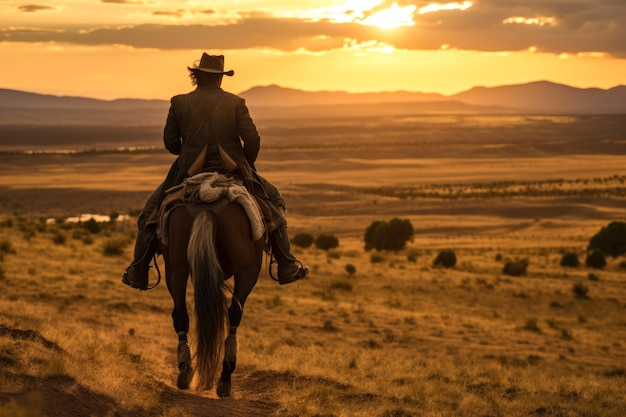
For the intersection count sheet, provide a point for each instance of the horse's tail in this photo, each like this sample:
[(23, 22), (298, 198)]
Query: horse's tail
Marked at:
[(210, 299)]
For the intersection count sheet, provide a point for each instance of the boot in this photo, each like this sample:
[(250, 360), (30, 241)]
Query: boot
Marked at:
[(146, 245), (289, 268)]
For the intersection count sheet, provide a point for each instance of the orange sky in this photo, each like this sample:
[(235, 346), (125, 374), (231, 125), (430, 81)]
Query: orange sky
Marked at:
[(141, 48)]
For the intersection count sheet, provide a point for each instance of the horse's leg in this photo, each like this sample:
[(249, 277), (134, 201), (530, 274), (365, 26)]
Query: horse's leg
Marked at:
[(176, 275), (245, 256)]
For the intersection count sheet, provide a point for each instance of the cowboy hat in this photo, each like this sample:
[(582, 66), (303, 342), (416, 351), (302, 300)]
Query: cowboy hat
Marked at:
[(213, 64)]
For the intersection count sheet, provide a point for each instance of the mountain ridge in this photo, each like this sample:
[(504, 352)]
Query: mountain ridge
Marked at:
[(276, 102)]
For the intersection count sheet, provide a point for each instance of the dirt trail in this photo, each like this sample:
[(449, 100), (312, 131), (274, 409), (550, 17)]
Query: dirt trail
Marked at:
[(63, 396)]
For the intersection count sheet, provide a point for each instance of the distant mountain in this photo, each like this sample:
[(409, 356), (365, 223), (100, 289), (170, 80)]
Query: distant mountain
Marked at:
[(20, 107), (273, 95), (536, 97), (274, 102), (548, 97)]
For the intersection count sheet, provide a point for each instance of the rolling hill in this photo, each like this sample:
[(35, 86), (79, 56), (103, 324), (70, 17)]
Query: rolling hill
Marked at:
[(274, 102)]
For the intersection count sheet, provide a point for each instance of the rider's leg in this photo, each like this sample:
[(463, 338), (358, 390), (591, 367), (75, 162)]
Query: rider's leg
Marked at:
[(290, 269), (146, 245)]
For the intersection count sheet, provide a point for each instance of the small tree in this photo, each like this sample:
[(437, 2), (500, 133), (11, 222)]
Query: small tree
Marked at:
[(350, 269), (611, 240), (445, 258), (596, 259), (570, 259), (392, 235), (304, 240), (326, 242), (515, 268)]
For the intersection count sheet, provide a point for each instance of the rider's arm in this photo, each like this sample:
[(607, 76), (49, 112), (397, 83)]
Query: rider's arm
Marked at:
[(171, 133), (248, 133)]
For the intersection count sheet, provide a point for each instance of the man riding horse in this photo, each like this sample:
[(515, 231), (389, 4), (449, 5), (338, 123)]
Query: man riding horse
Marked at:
[(211, 130)]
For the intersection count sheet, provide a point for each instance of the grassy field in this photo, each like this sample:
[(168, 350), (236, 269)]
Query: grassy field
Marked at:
[(398, 337)]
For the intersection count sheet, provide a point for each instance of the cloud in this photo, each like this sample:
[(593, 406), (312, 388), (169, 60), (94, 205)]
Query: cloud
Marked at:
[(122, 1), (32, 8), (553, 26)]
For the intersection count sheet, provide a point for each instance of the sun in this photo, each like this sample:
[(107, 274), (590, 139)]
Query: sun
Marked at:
[(394, 16)]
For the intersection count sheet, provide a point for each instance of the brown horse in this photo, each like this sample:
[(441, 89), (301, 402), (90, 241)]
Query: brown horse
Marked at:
[(211, 248)]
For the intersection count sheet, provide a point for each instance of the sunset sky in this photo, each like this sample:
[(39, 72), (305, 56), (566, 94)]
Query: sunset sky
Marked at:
[(140, 48)]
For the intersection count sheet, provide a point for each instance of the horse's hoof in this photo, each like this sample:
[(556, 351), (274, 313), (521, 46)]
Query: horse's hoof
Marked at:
[(223, 389), (184, 376)]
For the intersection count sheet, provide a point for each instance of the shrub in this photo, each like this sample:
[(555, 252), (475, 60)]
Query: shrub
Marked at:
[(326, 242), (580, 290), (445, 258), (611, 240), (515, 268), (7, 247), (59, 238), (350, 269), (341, 285), (377, 258), (593, 277), (570, 259), (92, 225), (304, 240), (114, 247), (596, 259), (412, 256), (392, 235)]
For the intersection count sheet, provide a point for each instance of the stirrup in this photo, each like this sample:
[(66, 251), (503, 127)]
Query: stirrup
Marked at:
[(293, 278), (126, 280)]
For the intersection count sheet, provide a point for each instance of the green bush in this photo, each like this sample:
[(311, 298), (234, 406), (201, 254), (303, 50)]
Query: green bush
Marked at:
[(570, 259), (515, 268), (392, 235), (596, 259), (445, 258), (326, 242), (304, 240)]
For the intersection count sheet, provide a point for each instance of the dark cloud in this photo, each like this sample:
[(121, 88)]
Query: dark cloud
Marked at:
[(31, 8), (569, 27)]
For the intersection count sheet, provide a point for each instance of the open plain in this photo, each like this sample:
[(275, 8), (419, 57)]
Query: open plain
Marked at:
[(383, 334)]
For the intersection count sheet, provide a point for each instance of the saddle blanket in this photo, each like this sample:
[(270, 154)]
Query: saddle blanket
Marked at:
[(213, 191)]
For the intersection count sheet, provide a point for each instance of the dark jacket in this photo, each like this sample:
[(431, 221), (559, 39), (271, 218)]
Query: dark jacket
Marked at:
[(188, 130)]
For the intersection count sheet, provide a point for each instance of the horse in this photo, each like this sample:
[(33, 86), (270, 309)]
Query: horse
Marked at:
[(210, 248)]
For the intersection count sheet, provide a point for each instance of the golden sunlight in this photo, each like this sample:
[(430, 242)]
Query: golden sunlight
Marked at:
[(540, 21), (364, 12), (394, 16)]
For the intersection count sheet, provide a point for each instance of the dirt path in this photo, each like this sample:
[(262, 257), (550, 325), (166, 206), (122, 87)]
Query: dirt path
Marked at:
[(22, 393)]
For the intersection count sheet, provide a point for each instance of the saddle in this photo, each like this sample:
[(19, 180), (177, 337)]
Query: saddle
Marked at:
[(210, 191)]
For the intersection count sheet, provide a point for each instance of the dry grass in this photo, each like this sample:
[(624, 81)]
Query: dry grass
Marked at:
[(397, 337), (403, 338)]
